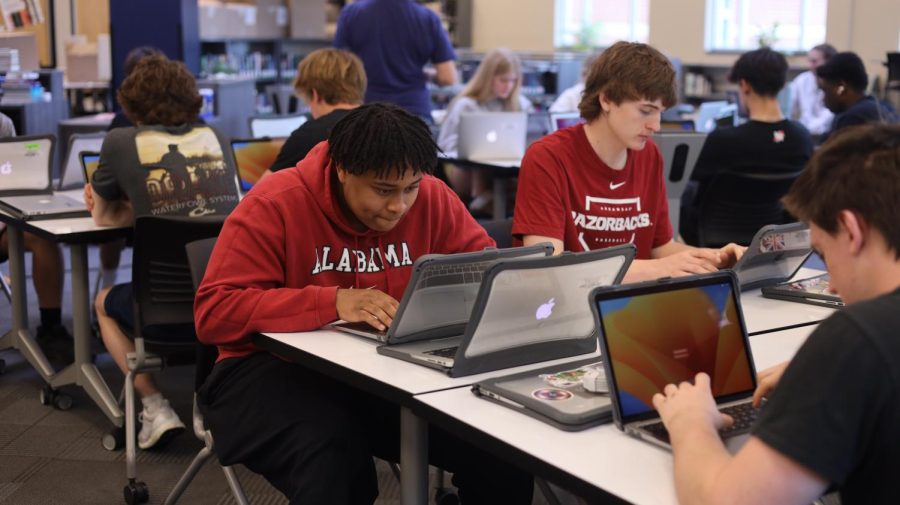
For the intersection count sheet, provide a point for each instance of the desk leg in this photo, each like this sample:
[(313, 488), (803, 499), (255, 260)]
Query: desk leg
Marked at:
[(83, 372), (500, 185), (413, 458), (19, 337)]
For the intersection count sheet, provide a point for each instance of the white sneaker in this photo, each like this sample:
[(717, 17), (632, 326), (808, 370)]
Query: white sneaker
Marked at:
[(158, 427)]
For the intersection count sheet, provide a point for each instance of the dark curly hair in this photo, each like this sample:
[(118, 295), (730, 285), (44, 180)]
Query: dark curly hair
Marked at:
[(160, 91), (382, 138)]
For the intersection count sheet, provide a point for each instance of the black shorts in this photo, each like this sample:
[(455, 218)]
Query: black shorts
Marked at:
[(119, 305)]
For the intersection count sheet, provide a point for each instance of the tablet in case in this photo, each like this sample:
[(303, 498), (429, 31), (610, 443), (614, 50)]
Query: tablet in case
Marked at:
[(813, 291), (554, 395), (774, 255)]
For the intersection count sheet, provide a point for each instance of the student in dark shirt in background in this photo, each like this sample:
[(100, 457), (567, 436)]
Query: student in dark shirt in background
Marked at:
[(843, 80), (833, 412), (332, 82), (766, 143), (395, 39)]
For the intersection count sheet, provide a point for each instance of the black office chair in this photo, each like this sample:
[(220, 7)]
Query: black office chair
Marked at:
[(735, 205), (163, 295), (198, 253), (500, 230)]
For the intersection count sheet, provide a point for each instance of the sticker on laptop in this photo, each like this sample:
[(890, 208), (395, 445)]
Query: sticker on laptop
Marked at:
[(784, 241), (569, 378), (551, 394)]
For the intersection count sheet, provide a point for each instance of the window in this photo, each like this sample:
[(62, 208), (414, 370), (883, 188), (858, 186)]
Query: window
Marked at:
[(582, 24), (785, 25)]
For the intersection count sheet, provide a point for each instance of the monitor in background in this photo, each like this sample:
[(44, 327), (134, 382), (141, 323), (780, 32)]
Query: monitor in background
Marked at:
[(560, 120), (276, 126), (253, 157)]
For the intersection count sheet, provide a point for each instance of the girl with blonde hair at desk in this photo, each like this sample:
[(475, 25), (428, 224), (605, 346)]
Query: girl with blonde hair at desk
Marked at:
[(494, 87)]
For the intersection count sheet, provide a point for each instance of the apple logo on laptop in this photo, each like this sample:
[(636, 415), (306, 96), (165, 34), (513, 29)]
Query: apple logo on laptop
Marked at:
[(491, 136), (6, 168), (545, 309)]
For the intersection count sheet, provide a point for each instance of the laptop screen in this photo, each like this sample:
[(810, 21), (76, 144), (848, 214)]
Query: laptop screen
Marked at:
[(558, 121), (25, 164), (659, 334), (253, 157)]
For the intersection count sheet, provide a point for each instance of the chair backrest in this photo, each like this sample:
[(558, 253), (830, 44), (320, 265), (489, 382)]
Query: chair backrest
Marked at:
[(161, 276), (198, 253), (276, 126), (500, 230), (735, 205), (679, 151), (72, 177)]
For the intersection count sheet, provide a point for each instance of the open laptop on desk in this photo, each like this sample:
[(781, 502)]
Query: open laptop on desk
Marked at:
[(492, 135), (527, 310), (774, 255), (25, 184), (440, 295), (253, 157), (667, 331)]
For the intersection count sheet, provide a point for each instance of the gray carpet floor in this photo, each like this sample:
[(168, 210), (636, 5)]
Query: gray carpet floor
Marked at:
[(50, 457)]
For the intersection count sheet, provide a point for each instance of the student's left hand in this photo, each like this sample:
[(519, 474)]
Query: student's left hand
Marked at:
[(689, 405), (730, 254), (89, 197)]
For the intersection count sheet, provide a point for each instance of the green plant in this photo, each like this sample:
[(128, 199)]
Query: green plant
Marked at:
[(768, 37)]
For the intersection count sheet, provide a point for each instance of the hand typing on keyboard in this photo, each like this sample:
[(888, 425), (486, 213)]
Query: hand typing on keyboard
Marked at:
[(366, 305), (766, 382), (690, 405)]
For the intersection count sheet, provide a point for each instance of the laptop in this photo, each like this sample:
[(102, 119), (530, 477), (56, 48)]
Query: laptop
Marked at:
[(706, 115), (253, 157), (492, 135), (526, 311), (440, 295), (676, 126), (25, 185), (666, 331), (774, 255), (814, 291), (560, 120), (71, 176)]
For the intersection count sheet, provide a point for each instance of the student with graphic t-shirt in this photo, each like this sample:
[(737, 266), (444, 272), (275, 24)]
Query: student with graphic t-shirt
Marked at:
[(832, 419), (333, 238), (767, 143), (600, 184), (166, 165)]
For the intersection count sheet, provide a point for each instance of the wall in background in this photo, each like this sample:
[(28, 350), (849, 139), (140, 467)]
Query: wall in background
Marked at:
[(521, 25)]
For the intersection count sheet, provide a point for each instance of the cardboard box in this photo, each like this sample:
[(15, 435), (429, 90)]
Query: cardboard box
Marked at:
[(26, 43), (307, 19)]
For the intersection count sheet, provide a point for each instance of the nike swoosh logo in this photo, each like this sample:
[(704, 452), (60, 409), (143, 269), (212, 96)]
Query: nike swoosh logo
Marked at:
[(616, 186)]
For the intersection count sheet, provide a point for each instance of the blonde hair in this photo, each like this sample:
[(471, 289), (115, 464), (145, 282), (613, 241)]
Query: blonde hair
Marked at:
[(336, 75), (499, 61)]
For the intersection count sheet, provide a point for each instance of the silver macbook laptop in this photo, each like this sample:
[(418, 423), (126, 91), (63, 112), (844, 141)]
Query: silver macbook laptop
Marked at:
[(25, 184), (527, 311), (492, 135), (440, 295), (661, 332), (774, 255)]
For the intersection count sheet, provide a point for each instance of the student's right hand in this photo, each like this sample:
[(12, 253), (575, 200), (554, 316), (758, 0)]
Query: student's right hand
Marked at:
[(766, 382), (89, 197), (370, 305), (690, 261)]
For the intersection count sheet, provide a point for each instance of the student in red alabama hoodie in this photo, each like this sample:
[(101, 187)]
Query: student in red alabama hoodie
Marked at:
[(333, 238)]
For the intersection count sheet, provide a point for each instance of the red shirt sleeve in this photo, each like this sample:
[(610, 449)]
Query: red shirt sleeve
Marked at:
[(458, 230), (539, 201)]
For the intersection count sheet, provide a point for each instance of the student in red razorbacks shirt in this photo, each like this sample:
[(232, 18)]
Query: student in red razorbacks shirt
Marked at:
[(600, 184), (333, 238)]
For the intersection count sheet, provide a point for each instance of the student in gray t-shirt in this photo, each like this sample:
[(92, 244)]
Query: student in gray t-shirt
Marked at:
[(166, 165)]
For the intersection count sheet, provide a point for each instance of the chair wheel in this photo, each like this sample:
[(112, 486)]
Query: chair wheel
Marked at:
[(114, 440), (136, 492), (57, 399), (444, 496)]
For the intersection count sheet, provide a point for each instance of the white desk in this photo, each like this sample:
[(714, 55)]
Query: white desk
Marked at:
[(77, 233), (500, 170), (601, 464), (354, 360), (766, 314)]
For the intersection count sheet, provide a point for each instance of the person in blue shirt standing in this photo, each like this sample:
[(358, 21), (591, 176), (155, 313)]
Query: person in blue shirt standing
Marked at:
[(395, 39)]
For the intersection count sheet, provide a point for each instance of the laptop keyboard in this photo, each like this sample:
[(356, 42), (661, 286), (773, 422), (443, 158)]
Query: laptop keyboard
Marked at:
[(463, 273), (744, 416), (446, 352)]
